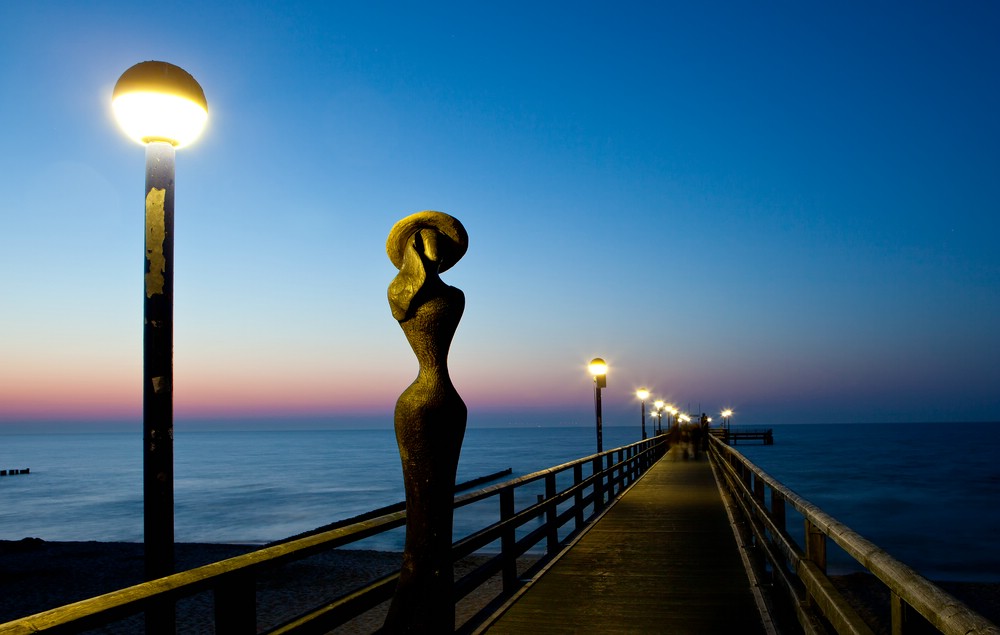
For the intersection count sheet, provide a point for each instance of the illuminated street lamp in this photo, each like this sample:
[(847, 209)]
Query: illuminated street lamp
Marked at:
[(726, 414), (671, 410), (659, 408), (643, 395), (599, 369), (162, 107)]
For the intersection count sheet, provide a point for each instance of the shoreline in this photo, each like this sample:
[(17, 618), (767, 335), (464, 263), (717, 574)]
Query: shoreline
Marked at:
[(37, 575)]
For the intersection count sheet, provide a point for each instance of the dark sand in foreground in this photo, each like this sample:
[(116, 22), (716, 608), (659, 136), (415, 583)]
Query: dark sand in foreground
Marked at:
[(36, 576)]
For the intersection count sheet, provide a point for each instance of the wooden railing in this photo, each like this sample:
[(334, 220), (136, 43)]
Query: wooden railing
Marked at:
[(574, 494), (916, 604)]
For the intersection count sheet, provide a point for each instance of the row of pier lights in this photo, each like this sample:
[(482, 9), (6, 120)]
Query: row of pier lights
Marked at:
[(599, 369)]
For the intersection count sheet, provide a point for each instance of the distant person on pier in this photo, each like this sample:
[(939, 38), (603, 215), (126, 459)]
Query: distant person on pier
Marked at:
[(696, 431)]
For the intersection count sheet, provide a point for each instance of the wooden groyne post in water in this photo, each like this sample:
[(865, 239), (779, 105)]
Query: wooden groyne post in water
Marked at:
[(15, 472)]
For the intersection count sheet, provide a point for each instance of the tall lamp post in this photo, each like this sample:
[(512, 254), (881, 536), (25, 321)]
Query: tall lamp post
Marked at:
[(599, 369), (162, 107), (643, 395), (659, 415)]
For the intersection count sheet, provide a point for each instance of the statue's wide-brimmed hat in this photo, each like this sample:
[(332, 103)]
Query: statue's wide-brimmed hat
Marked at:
[(451, 245)]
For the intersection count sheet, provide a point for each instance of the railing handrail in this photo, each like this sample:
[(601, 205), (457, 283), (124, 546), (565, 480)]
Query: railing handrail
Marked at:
[(942, 610), (491, 490), (215, 576), (117, 603)]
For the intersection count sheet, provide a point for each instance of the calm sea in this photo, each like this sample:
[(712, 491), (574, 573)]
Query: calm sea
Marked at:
[(928, 494)]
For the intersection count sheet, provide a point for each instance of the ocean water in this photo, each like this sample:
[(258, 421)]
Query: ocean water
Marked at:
[(250, 486), (927, 494)]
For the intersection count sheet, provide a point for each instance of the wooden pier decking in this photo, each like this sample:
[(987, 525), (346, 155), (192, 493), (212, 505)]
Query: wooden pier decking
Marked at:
[(663, 559)]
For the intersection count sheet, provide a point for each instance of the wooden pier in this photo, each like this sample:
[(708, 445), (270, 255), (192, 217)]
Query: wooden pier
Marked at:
[(733, 437), (663, 559)]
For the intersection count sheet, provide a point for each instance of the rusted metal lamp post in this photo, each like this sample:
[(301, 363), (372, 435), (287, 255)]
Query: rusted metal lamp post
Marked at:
[(430, 418), (599, 369), (162, 107), (643, 395)]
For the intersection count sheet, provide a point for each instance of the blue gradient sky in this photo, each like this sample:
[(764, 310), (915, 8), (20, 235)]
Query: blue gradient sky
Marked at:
[(786, 208)]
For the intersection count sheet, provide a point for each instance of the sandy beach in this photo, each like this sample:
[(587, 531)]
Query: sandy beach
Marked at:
[(37, 575)]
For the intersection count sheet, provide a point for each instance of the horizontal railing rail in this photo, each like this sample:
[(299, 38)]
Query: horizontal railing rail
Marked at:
[(916, 604), (594, 482)]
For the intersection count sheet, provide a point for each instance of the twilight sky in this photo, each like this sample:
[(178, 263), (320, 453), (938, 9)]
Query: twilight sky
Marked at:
[(786, 208)]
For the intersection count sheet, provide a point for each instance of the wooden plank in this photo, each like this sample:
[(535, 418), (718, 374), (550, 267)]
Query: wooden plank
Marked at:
[(663, 559)]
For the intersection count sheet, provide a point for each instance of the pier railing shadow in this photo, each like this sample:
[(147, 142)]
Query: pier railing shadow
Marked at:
[(575, 493), (798, 574)]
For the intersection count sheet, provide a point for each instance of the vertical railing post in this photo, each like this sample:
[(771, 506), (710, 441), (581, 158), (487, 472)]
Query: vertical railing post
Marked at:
[(236, 606), (906, 620), (758, 489), (815, 550), (778, 510), (508, 541), (598, 474), (551, 514), (622, 471), (815, 545), (578, 497), (614, 475)]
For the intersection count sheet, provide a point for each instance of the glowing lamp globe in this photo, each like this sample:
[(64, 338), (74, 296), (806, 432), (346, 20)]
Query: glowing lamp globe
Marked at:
[(157, 101), (642, 394), (598, 367)]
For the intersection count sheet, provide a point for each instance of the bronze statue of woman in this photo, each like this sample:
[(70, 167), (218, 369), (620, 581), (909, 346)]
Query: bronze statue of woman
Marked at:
[(430, 418)]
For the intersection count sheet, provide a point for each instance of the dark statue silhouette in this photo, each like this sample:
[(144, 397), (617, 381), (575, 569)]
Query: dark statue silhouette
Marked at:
[(430, 417)]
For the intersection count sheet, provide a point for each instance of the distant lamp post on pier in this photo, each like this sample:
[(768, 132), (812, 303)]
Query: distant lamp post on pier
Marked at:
[(671, 410), (726, 414), (643, 395), (658, 404), (162, 107), (599, 369)]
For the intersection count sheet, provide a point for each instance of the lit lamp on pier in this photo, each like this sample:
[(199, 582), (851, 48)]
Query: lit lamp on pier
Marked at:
[(162, 107), (599, 369), (658, 404), (726, 415), (671, 410), (643, 395)]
